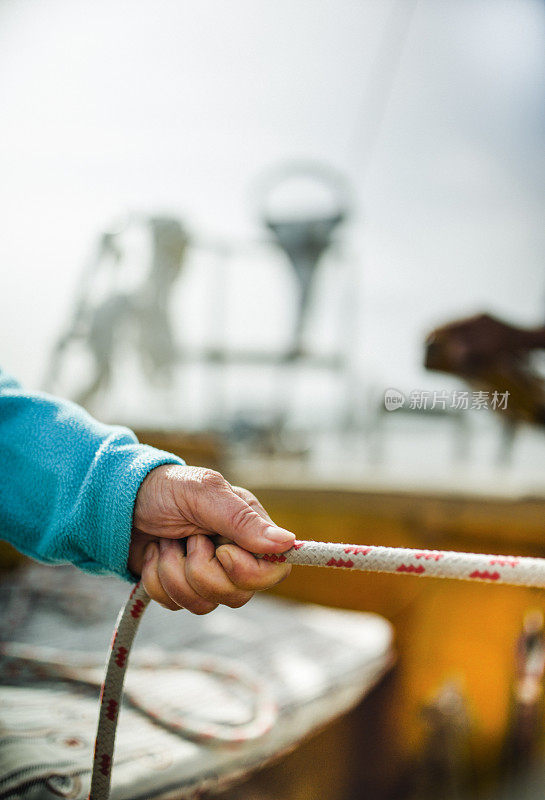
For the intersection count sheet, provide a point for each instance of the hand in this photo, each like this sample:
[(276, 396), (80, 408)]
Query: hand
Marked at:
[(177, 509)]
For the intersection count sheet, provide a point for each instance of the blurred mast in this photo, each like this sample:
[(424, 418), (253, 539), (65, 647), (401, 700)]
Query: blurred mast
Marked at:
[(379, 85)]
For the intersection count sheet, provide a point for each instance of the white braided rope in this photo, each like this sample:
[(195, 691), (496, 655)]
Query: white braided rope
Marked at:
[(112, 691), (264, 714), (513, 570)]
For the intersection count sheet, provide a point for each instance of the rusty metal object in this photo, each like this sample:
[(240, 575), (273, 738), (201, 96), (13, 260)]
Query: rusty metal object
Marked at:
[(490, 356)]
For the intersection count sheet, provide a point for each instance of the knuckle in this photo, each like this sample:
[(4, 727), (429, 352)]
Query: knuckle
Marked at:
[(275, 575), (168, 577), (177, 598), (197, 600), (201, 607), (245, 581), (245, 494), (196, 480), (210, 479), (238, 599), (177, 594), (233, 570), (174, 589), (242, 516), (158, 594), (282, 572), (170, 606), (202, 584), (248, 585)]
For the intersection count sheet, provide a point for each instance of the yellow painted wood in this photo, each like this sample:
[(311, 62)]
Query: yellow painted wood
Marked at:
[(444, 629)]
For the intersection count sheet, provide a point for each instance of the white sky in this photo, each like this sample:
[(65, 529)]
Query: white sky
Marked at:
[(178, 105)]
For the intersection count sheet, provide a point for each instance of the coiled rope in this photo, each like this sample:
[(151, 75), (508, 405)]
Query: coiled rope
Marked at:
[(518, 571)]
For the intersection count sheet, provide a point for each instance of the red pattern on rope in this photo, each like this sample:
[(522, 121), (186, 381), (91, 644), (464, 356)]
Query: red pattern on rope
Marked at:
[(367, 558)]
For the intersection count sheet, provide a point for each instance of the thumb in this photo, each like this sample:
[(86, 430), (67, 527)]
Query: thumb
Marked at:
[(229, 515)]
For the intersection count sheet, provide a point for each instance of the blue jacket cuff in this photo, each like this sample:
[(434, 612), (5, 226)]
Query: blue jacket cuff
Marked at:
[(123, 468)]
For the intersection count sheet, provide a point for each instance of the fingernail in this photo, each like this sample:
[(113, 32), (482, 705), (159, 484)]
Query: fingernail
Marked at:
[(191, 545), (149, 553), (225, 558), (278, 535)]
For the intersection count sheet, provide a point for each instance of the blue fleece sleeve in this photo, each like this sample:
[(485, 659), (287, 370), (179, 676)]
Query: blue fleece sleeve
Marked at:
[(67, 482)]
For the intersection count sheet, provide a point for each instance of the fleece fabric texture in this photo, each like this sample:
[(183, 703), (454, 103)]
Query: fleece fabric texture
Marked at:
[(67, 482)]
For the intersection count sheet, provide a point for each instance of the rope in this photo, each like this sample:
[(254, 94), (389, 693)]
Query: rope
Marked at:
[(512, 570), (264, 714), (517, 571)]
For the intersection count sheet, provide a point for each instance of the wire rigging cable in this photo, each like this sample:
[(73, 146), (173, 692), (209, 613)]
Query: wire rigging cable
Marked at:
[(380, 83)]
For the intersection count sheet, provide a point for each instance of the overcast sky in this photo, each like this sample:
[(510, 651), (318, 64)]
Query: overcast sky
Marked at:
[(177, 106)]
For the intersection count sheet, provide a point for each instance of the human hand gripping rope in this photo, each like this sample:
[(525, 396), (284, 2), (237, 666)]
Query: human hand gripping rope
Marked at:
[(517, 571)]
